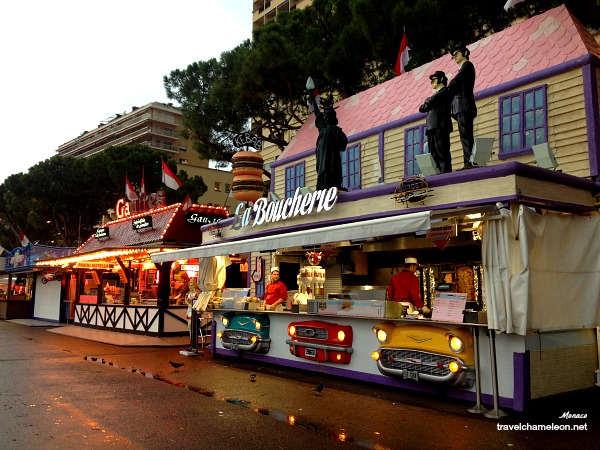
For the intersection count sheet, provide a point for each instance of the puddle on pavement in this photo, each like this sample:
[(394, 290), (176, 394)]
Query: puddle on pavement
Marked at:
[(272, 413)]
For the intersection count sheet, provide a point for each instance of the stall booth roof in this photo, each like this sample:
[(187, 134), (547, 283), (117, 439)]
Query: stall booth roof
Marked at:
[(386, 226), (169, 227)]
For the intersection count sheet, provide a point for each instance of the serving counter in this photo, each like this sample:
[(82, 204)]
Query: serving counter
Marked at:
[(418, 354)]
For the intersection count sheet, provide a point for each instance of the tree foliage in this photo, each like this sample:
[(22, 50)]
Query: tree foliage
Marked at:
[(345, 45), (60, 201)]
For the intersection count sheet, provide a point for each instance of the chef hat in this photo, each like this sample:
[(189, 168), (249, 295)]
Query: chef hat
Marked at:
[(409, 261), (274, 269)]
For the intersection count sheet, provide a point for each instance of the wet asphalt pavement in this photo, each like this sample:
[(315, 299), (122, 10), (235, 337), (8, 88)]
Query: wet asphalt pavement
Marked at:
[(228, 403)]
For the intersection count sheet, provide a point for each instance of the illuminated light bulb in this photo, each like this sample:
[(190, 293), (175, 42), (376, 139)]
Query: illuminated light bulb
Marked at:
[(453, 367), (341, 336), (375, 355), (292, 330)]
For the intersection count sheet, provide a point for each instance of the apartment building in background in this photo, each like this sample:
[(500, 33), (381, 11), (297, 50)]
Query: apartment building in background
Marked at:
[(158, 126), (265, 11)]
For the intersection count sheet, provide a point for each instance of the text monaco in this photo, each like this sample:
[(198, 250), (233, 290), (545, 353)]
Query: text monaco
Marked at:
[(274, 211)]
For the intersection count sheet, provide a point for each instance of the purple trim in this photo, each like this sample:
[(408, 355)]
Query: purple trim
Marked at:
[(523, 148), (445, 179), (592, 115), (492, 91), (522, 381), (381, 153), (296, 181)]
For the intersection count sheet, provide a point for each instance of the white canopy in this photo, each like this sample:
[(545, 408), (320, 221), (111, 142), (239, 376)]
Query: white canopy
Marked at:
[(542, 272), (387, 226)]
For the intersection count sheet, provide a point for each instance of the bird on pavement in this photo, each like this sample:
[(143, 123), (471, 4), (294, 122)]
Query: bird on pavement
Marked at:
[(176, 365), (252, 377), (319, 387)]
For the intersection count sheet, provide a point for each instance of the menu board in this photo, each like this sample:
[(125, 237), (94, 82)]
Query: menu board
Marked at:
[(449, 306)]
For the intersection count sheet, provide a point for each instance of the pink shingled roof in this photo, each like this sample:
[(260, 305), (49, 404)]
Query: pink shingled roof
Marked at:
[(535, 44)]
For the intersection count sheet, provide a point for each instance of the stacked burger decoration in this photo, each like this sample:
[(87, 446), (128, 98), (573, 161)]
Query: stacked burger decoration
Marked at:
[(247, 168)]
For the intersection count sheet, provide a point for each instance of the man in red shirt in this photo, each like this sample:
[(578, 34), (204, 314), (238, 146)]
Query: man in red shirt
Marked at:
[(276, 292), (404, 286)]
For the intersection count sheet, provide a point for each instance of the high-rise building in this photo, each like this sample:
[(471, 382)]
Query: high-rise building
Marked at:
[(158, 126), (264, 11)]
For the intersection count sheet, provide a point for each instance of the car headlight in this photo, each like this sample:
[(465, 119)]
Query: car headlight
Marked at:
[(381, 334), (225, 321), (341, 336), (455, 343), (291, 330), (257, 324)]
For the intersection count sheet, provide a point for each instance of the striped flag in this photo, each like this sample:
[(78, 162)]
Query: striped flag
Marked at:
[(129, 190), (403, 56), (169, 178), (143, 186)]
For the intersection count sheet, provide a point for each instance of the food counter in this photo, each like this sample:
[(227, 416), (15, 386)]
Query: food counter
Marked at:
[(415, 353)]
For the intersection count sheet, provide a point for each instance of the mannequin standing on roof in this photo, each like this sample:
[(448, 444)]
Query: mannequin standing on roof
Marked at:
[(462, 107)]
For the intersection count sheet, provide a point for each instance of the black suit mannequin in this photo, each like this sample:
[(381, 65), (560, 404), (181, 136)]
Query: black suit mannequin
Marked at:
[(463, 107), (438, 123)]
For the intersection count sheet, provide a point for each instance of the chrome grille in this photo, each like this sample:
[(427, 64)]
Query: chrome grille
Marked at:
[(311, 333), (236, 337), (422, 362)]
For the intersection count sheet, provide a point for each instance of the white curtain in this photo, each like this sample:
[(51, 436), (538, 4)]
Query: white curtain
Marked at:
[(211, 278), (542, 272)]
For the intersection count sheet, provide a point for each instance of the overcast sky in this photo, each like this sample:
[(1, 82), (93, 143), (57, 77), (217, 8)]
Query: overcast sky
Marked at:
[(69, 64)]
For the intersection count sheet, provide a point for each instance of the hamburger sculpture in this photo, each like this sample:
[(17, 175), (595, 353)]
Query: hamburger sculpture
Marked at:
[(247, 168)]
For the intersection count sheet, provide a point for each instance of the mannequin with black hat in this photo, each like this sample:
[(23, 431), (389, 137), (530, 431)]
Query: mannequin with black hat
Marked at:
[(438, 124), (276, 292), (462, 107), (404, 286)]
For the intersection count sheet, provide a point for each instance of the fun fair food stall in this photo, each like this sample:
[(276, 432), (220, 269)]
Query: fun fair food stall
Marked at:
[(503, 256), (27, 292), (508, 240), (117, 287)]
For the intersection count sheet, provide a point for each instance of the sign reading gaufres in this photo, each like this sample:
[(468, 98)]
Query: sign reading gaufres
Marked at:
[(143, 203), (198, 218), (274, 211)]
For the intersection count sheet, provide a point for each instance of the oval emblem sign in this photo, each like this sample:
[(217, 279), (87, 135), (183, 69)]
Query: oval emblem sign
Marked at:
[(412, 190)]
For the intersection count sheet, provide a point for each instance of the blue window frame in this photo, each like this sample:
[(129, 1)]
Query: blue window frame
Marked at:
[(351, 167), (523, 118), (414, 144), (294, 178)]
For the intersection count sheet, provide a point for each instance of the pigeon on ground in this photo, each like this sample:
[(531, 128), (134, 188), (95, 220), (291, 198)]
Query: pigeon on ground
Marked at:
[(252, 377), (319, 387), (176, 365)]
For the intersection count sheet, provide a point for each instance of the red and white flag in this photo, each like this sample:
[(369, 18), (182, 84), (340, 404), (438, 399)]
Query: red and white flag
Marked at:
[(403, 56), (187, 203), (143, 186), (169, 179), (130, 191), (23, 238), (510, 3)]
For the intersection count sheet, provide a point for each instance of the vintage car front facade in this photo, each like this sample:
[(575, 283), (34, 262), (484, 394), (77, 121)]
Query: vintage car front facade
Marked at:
[(426, 353), (321, 341), (245, 332)]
